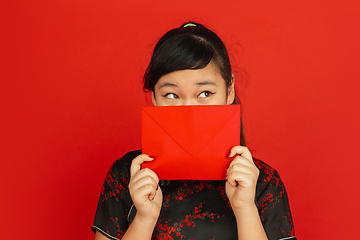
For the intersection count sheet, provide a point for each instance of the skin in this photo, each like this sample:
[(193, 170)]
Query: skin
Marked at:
[(195, 87)]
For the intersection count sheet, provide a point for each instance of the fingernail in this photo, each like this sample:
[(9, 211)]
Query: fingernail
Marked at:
[(229, 154), (157, 187), (226, 176), (152, 157)]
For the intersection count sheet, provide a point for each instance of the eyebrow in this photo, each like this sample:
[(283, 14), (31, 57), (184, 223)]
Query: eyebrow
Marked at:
[(203, 83), (206, 83), (168, 85)]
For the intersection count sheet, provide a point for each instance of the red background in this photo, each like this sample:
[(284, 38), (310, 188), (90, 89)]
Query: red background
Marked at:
[(71, 96)]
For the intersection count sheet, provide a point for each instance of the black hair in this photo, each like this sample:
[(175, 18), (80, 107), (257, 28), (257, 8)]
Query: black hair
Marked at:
[(191, 46)]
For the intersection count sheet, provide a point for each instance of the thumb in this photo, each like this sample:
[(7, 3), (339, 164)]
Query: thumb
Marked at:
[(136, 163)]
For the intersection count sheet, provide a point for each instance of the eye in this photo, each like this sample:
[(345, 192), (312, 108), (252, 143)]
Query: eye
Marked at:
[(171, 96), (205, 94)]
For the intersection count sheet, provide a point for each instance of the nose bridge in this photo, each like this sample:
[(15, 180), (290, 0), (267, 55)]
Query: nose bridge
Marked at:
[(188, 101)]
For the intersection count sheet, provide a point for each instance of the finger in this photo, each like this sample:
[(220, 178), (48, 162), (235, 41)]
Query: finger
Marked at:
[(142, 191), (241, 161), (242, 151), (242, 179), (145, 192), (157, 189), (241, 164), (144, 176), (136, 163), (237, 172)]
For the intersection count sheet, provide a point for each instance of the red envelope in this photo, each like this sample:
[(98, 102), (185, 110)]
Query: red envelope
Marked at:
[(190, 142)]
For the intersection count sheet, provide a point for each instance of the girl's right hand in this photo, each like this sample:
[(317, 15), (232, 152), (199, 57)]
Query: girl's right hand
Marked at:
[(144, 190)]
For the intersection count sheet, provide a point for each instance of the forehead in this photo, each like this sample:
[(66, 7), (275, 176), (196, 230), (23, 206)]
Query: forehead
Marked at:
[(210, 73)]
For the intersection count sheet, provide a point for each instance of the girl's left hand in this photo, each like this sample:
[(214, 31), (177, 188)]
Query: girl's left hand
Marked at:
[(242, 176)]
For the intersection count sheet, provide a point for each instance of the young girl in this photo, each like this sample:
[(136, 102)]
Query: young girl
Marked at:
[(190, 66)]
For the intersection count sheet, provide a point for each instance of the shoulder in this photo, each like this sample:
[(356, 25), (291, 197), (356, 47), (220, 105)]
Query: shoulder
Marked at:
[(273, 204), (125, 161), (120, 169), (269, 181), (268, 174), (115, 201), (270, 189)]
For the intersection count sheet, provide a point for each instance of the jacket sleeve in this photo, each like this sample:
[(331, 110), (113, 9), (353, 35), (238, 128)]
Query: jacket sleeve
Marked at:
[(111, 218), (273, 204)]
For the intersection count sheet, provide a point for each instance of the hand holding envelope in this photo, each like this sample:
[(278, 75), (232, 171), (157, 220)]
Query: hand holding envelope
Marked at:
[(190, 142)]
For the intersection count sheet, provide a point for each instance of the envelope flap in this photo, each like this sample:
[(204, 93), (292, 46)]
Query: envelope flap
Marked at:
[(192, 127)]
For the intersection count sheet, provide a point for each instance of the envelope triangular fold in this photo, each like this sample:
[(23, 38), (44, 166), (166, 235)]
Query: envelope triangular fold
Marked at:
[(192, 127)]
